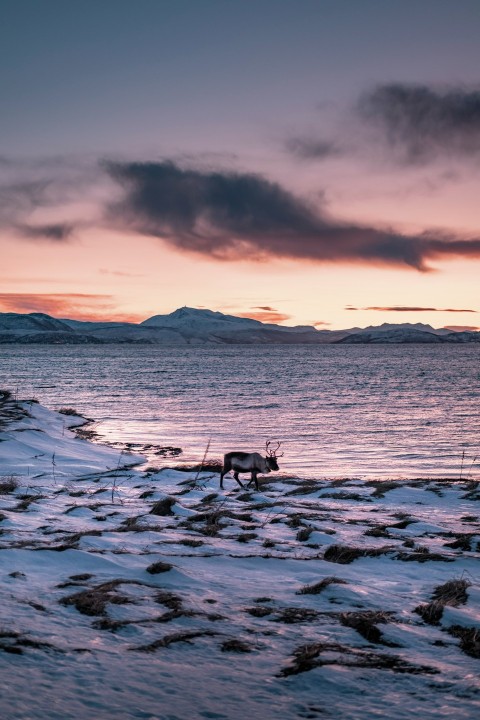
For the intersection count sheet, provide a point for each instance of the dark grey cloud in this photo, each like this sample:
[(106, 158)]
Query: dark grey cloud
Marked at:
[(410, 308), (310, 148), (18, 201), (235, 216), (421, 123), (56, 232), (45, 183)]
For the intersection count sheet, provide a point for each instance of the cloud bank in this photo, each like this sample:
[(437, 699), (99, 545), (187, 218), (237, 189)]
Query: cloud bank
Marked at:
[(268, 315), (410, 308), (241, 216), (222, 215), (75, 306), (55, 232), (52, 188), (461, 328), (421, 123)]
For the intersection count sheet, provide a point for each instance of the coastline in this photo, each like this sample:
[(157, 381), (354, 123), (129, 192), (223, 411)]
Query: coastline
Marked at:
[(365, 412)]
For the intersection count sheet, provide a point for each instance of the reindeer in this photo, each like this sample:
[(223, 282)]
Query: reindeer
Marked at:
[(254, 463)]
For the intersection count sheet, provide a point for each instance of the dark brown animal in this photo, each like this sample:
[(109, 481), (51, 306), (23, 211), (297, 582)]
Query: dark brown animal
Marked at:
[(254, 463)]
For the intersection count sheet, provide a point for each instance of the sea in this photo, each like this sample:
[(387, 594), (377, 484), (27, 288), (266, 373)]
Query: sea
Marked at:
[(338, 411)]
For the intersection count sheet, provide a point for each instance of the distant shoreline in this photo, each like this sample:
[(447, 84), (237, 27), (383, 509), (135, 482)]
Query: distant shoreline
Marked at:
[(191, 326)]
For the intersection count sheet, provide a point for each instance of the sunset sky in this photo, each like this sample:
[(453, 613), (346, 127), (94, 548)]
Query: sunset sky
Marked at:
[(298, 161)]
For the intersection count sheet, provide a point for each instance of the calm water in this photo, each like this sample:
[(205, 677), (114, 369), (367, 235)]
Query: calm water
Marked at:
[(356, 411)]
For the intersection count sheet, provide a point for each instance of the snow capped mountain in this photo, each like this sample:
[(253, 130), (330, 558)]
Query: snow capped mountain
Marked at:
[(198, 319), (384, 327), (392, 335), (31, 323), (195, 326), (209, 326)]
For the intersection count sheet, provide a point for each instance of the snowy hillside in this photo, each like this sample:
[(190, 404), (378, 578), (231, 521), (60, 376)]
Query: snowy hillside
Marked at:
[(192, 326), (153, 594), (31, 323), (38, 442), (199, 320), (397, 335), (404, 326)]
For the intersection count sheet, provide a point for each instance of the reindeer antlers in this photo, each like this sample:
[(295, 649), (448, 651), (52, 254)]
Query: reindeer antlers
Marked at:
[(272, 453)]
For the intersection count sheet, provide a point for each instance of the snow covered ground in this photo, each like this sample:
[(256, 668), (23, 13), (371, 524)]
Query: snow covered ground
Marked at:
[(152, 594)]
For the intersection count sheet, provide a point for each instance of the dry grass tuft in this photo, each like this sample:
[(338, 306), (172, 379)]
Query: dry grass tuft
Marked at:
[(163, 507), (469, 639), (147, 493), (344, 554), (304, 533), (70, 542), (159, 567), (213, 521), (132, 524), (235, 645), (168, 640), (209, 498), (431, 612), (306, 487), (422, 555), (13, 642), (169, 599), (293, 615), (8, 484), (246, 537), (463, 541), (68, 411), (294, 520), (365, 623), (94, 601), (451, 593), (106, 623), (26, 501), (382, 487), (403, 523), (344, 495), (86, 433), (190, 542), (320, 586), (259, 611), (378, 531), (307, 657)]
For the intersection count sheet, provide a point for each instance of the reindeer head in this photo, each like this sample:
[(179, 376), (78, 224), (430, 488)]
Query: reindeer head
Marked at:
[(271, 456)]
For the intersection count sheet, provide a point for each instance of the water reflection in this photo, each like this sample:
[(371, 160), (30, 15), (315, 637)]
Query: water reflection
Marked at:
[(340, 411)]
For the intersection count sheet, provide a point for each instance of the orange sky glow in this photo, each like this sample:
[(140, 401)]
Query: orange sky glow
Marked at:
[(311, 182)]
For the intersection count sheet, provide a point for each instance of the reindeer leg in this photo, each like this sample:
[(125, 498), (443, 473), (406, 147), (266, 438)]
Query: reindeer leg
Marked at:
[(253, 479), (235, 475)]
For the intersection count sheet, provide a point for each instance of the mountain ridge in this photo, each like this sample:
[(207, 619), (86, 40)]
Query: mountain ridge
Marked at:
[(198, 326)]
